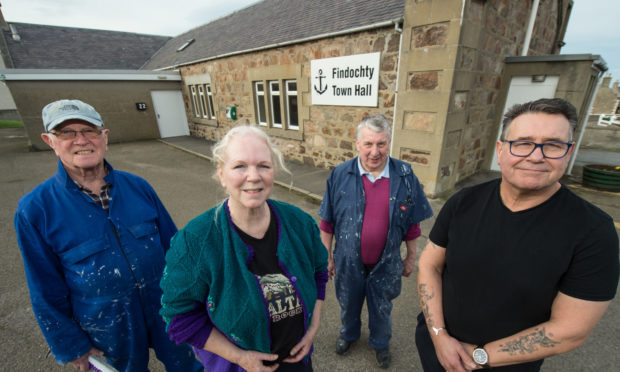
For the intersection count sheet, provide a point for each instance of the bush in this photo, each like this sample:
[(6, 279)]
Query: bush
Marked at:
[(11, 124)]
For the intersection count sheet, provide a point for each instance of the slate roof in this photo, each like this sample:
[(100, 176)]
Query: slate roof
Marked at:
[(271, 22), (53, 47)]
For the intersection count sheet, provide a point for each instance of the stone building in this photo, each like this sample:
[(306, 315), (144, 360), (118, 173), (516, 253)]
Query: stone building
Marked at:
[(308, 71), (441, 64), (603, 131)]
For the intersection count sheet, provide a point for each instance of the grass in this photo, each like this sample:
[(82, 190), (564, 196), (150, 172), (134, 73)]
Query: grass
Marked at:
[(11, 124)]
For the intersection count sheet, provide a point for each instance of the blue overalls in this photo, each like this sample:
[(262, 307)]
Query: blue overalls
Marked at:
[(343, 207), (94, 275)]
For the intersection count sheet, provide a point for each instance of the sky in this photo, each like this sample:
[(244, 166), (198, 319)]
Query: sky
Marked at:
[(592, 28)]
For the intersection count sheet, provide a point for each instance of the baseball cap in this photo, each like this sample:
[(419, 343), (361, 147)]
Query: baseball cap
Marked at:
[(58, 112)]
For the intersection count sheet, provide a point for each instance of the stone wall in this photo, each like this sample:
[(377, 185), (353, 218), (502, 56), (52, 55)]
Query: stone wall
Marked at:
[(492, 30), (607, 100), (600, 137), (326, 135), (443, 100)]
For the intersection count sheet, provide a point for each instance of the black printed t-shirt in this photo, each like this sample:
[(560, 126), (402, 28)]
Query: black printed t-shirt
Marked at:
[(285, 309)]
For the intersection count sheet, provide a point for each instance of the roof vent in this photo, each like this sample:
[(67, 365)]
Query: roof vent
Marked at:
[(14, 33), (187, 43)]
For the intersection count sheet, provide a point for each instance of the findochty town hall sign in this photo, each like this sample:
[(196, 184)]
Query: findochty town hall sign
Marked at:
[(346, 81)]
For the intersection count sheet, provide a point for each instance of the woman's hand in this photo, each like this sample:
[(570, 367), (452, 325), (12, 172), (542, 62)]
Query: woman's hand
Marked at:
[(303, 347), (252, 361)]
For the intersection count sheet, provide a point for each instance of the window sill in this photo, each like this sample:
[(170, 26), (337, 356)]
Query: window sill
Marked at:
[(285, 133), (209, 122)]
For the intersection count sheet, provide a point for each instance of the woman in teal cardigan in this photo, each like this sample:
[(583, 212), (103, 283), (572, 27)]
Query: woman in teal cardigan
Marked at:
[(245, 281)]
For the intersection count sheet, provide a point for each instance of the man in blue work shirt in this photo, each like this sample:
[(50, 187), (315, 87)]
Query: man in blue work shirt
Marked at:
[(93, 241), (371, 205)]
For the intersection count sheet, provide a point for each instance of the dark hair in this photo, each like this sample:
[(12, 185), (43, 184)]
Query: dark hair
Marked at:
[(551, 106)]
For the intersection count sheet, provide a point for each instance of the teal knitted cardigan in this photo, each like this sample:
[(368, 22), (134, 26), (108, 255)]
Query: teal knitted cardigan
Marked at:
[(208, 262)]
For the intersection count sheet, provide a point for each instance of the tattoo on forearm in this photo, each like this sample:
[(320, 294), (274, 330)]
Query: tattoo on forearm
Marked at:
[(425, 295), (530, 343)]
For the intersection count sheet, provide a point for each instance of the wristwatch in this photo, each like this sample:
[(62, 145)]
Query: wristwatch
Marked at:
[(436, 330), (481, 357)]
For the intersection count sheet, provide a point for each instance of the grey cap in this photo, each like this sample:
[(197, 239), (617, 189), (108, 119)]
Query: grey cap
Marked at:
[(58, 112)]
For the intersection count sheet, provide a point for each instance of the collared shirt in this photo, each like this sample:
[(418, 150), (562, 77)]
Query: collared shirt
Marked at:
[(103, 199), (385, 173)]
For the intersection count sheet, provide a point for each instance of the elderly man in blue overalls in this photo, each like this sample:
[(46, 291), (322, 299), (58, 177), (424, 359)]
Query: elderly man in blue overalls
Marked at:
[(93, 240), (372, 204)]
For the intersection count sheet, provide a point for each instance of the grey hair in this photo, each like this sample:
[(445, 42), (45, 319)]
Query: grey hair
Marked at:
[(551, 106), (378, 123), (219, 149)]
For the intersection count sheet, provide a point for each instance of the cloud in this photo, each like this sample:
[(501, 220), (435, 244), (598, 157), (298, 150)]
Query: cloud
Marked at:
[(159, 17)]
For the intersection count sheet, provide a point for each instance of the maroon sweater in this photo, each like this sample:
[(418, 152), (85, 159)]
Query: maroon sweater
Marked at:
[(376, 219)]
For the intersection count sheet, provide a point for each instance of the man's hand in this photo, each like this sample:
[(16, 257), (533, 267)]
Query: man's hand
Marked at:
[(81, 363), (408, 265), (331, 267), (409, 261), (452, 354)]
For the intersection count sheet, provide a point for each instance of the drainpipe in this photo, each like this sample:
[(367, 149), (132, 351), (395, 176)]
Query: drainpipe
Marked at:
[(400, 47), (530, 28)]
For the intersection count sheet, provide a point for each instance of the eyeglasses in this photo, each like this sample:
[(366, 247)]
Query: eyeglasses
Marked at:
[(67, 134), (551, 150)]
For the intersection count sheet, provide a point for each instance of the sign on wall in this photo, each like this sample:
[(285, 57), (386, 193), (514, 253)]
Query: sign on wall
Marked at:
[(346, 81)]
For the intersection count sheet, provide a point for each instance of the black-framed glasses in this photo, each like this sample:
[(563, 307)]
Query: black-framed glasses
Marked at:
[(551, 150), (67, 134)]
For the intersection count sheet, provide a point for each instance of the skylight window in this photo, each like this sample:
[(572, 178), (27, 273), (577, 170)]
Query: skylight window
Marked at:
[(187, 43)]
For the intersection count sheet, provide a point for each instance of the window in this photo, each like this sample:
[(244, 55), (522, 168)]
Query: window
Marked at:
[(259, 96), (203, 101), (187, 43), (206, 101), (195, 101), (201, 94), (274, 104), (292, 116), (210, 101), (277, 106)]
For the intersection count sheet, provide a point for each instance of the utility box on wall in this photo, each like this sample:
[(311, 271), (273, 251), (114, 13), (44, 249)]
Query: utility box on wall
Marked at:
[(573, 77), (231, 112)]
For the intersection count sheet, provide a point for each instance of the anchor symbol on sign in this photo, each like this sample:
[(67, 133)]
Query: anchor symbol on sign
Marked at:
[(320, 90)]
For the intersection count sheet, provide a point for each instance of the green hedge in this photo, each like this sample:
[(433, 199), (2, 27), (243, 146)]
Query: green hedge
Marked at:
[(11, 124)]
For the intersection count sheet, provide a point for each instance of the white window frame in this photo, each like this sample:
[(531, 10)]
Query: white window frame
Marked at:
[(258, 96), (192, 89), (203, 101), (290, 93), (274, 95), (210, 105)]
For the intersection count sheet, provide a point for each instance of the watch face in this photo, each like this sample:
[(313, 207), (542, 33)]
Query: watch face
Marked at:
[(480, 356)]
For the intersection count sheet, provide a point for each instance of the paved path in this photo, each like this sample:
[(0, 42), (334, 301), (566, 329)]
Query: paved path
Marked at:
[(184, 183)]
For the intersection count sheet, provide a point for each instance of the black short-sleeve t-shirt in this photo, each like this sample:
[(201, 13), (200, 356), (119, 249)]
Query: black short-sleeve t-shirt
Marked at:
[(504, 269)]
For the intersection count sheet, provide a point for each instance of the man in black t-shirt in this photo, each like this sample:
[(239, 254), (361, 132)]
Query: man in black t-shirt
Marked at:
[(520, 268)]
